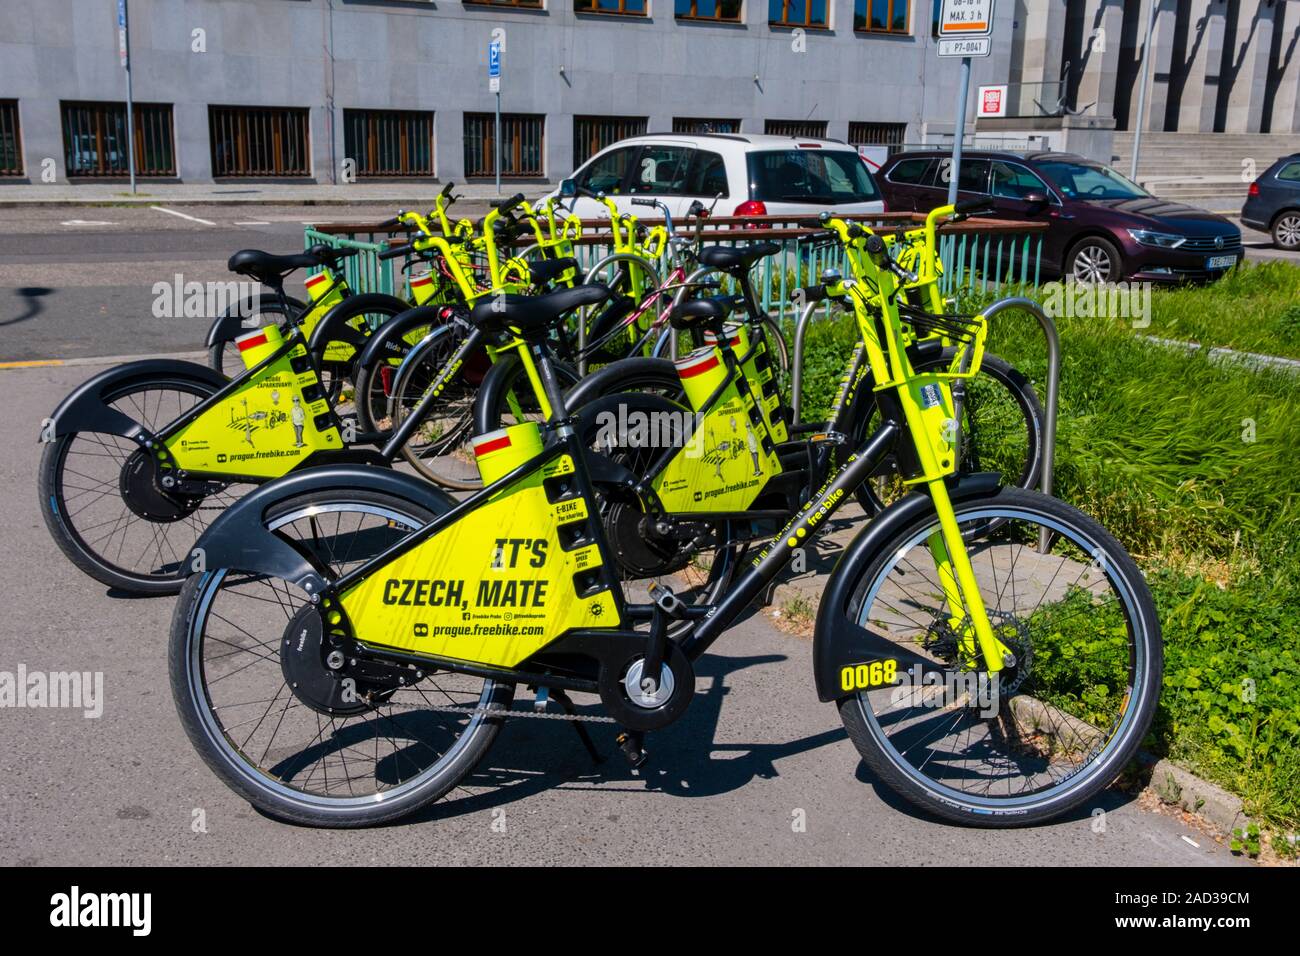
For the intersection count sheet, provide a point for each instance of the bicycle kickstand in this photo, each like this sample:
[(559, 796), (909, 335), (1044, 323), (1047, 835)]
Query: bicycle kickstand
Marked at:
[(566, 704)]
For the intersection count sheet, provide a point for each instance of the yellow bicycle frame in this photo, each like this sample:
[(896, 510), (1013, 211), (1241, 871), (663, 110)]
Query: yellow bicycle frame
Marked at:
[(927, 405)]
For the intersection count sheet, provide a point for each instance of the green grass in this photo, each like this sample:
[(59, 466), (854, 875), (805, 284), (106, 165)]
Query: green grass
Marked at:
[(1255, 308), (1195, 467)]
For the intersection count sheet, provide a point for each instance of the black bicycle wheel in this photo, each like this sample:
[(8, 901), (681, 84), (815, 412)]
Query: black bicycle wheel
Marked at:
[(1070, 707), (276, 732), (99, 503)]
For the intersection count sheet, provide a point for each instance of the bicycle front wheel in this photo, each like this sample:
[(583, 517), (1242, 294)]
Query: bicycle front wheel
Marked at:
[(1049, 731)]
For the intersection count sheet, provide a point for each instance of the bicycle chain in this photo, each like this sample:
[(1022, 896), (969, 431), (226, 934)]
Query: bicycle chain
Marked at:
[(496, 711)]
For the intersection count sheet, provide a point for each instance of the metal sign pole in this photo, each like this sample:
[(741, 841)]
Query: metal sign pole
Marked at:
[(1142, 92), (960, 133), (494, 86), (124, 49)]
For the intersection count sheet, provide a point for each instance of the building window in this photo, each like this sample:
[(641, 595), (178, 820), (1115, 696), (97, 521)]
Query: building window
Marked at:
[(530, 4), (11, 143), (523, 144), (880, 16), (389, 142), (813, 129), (723, 11), (259, 141), (935, 16), (624, 8), (691, 124), (798, 13), (591, 134), (95, 139), (878, 134)]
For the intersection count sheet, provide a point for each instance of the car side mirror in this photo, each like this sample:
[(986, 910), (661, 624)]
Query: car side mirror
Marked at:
[(568, 189), (1036, 200)]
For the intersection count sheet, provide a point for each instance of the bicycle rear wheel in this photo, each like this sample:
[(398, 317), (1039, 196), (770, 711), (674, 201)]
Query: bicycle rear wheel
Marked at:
[(1047, 732)]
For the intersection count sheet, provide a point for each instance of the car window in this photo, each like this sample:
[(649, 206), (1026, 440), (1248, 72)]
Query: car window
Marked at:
[(910, 172), (1290, 172), (708, 175), (661, 170), (974, 176), (809, 175), (1014, 182), (605, 173), (1080, 181)]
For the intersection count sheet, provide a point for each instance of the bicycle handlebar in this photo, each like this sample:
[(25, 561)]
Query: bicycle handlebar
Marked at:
[(392, 252), (505, 205)]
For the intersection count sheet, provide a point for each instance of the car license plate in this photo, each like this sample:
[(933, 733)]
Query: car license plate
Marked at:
[(1220, 262)]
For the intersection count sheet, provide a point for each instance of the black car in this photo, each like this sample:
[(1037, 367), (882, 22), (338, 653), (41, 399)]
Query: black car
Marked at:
[(1273, 205), (1102, 227)]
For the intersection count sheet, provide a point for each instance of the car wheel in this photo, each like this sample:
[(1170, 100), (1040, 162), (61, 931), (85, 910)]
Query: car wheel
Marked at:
[(1286, 230), (1093, 260)]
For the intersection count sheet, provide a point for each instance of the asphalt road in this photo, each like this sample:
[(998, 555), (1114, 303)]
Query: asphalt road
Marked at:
[(79, 282), (723, 784)]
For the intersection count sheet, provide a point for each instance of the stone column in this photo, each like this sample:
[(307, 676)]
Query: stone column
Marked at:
[(1202, 56), (1103, 26), (1249, 59), (1286, 100), (1161, 52)]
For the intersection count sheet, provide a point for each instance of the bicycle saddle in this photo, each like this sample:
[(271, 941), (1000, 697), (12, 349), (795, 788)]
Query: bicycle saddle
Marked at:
[(546, 270), (268, 269), (330, 256), (534, 313), (736, 258), (709, 313)]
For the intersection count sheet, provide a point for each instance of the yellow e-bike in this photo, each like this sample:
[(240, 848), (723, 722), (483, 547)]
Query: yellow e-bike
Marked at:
[(354, 643)]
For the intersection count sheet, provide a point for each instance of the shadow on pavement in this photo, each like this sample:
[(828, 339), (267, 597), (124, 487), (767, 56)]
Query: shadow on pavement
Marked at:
[(32, 296)]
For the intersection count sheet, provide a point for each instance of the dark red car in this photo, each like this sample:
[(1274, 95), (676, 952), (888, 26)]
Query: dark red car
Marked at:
[(1103, 227)]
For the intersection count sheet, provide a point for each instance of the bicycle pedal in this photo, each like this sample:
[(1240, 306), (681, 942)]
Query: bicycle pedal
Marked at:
[(630, 744)]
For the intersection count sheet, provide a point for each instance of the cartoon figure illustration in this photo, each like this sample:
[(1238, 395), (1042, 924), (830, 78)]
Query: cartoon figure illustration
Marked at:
[(752, 441), (248, 425), (299, 419), (275, 396)]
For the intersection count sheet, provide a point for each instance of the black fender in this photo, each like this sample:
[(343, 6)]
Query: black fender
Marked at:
[(333, 327), (498, 378), (387, 341), (238, 539), (85, 410), (838, 641), (607, 380), (230, 324)]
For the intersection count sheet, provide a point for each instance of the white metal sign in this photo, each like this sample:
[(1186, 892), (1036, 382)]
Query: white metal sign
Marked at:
[(969, 46), (966, 18)]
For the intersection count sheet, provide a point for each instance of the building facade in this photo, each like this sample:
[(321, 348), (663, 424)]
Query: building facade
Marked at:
[(294, 88), (327, 90)]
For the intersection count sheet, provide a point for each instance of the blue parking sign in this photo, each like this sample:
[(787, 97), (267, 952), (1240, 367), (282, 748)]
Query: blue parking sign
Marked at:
[(494, 58)]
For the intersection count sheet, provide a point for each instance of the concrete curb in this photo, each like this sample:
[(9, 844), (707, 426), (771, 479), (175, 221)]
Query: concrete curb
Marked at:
[(1179, 787)]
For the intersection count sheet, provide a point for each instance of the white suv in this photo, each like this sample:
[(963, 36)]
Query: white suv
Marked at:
[(756, 175)]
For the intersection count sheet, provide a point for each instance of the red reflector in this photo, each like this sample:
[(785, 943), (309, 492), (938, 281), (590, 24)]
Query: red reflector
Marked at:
[(495, 444), (250, 341), (699, 369), (810, 145), (318, 277)]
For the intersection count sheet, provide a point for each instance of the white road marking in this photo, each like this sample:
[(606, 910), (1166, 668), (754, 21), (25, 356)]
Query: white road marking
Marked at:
[(88, 222), (182, 215), (1192, 842), (254, 222)]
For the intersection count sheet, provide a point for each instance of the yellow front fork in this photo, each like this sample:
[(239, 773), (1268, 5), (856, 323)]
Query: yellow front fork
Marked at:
[(960, 589)]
